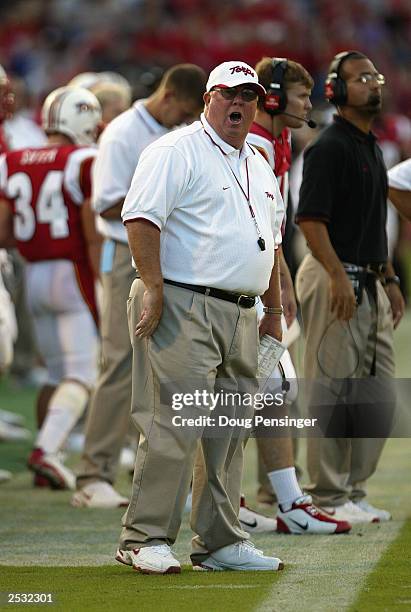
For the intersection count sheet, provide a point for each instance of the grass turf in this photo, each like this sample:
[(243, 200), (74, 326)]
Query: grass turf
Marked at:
[(13, 455), (115, 588), (388, 586), (44, 541)]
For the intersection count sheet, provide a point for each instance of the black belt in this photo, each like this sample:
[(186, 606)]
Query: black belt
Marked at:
[(246, 301)]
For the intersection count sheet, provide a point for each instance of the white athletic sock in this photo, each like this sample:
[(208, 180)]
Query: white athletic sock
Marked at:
[(285, 485), (66, 406), (55, 429)]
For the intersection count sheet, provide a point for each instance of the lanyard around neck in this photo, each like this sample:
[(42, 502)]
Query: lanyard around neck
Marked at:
[(260, 241)]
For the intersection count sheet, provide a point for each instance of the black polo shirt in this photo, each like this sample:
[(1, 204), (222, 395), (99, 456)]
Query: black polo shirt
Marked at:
[(345, 186)]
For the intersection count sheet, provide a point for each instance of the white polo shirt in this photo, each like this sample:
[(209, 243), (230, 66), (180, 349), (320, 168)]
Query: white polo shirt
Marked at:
[(193, 186), (399, 177), (120, 147)]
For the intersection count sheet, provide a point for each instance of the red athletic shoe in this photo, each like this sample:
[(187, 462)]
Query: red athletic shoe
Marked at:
[(303, 517), (51, 468), (40, 481)]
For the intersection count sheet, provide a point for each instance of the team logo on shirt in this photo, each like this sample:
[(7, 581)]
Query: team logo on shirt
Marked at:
[(270, 195)]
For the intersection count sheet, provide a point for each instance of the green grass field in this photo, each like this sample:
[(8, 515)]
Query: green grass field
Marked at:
[(112, 588), (48, 546)]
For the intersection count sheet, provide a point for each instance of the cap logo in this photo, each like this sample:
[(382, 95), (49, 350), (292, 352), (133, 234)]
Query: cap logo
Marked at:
[(246, 71)]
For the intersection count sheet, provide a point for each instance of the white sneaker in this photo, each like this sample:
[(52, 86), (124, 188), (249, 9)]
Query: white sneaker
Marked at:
[(11, 418), (383, 515), (50, 466), (240, 556), (150, 559), (254, 522), (5, 475), (75, 442), (352, 513), (13, 433), (98, 494), (302, 517), (128, 458)]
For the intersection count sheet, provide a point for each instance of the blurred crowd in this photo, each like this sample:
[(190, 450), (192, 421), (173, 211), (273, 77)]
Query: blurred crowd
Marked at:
[(102, 56), (48, 42)]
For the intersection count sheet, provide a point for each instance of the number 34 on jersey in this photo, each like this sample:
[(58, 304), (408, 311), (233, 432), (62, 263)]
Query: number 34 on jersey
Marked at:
[(45, 189)]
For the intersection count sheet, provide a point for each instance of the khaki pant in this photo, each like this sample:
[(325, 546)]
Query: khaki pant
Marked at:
[(25, 354), (109, 416), (334, 351), (213, 342)]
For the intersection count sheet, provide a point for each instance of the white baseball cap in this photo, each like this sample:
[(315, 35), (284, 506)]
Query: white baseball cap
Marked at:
[(231, 74)]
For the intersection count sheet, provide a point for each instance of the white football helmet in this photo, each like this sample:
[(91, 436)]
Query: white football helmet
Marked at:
[(89, 80), (84, 79), (74, 112)]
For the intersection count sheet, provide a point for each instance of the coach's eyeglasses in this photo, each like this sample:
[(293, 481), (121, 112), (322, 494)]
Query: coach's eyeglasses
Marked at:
[(366, 78), (229, 93)]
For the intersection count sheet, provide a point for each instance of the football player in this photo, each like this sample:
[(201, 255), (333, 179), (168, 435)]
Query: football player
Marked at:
[(45, 209)]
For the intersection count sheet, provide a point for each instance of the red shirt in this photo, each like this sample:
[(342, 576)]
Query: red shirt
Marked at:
[(278, 153)]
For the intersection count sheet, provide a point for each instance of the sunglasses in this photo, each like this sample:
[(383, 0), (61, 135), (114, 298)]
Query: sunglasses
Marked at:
[(229, 93)]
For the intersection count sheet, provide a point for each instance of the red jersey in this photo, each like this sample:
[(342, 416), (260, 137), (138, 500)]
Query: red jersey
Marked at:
[(45, 188), (277, 152)]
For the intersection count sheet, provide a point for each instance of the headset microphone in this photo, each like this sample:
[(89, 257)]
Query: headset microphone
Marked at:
[(311, 124)]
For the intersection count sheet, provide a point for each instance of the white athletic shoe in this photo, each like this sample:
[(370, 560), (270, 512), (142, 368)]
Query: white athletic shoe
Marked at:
[(13, 433), (352, 513), (75, 442), (240, 556), (99, 494), (128, 458), (254, 522), (150, 559), (5, 475), (305, 518), (50, 466), (383, 515), (11, 418)]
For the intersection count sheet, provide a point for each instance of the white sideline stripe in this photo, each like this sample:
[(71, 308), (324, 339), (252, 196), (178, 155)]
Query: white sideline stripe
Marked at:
[(296, 584), (207, 586)]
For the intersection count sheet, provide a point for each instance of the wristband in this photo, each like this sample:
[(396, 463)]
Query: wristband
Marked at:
[(273, 310), (392, 280)]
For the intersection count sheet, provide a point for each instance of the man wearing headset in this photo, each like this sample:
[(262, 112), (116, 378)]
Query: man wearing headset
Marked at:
[(348, 291), (284, 106)]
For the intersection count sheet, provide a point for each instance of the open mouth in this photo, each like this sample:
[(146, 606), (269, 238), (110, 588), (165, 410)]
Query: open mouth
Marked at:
[(235, 117)]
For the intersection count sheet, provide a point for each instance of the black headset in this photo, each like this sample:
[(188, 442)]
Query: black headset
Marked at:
[(275, 101), (335, 89)]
